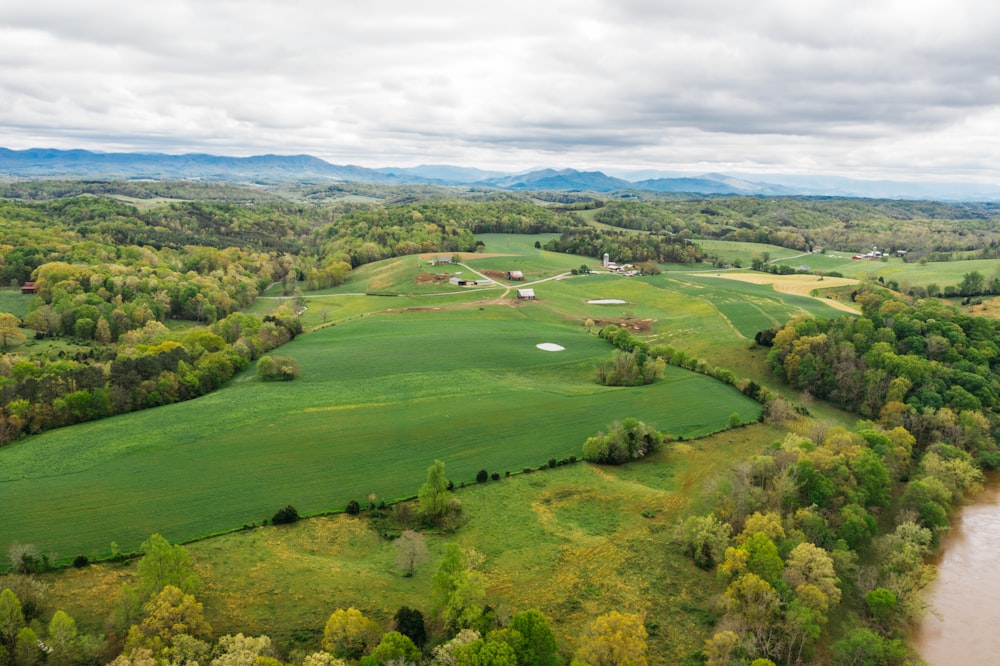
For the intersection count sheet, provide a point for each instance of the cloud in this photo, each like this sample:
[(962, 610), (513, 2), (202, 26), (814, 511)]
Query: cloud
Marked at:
[(882, 86)]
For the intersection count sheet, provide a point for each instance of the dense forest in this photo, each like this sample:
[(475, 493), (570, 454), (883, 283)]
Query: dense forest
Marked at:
[(831, 519), (926, 229)]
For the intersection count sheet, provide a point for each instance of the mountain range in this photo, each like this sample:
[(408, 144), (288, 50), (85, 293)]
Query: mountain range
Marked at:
[(84, 164)]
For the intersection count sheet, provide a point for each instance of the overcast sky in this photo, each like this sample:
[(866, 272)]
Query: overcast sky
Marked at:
[(864, 88)]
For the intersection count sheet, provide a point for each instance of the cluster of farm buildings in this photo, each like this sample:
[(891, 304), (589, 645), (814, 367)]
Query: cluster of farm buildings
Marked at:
[(516, 276), (628, 270), (878, 254)]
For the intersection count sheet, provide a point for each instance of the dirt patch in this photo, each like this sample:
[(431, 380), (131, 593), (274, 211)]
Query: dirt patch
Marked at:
[(431, 278), (463, 256), (631, 323), (413, 310), (495, 275)]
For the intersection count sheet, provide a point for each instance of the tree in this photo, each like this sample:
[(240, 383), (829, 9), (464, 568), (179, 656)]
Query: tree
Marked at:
[(170, 613), (164, 565), (810, 565), (866, 648), (277, 368), (434, 498), (411, 551), (445, 654), (240, 650), (410, 622), (753, 604), (285, 516), (625, 440), (348, 633), (396, 648), (539, 644), (9, 331), (458, 591), (704, 539), (614, 639), (11, 617), (485, 653), (722, 648), (27, 648), (62, 639), (322, 659)]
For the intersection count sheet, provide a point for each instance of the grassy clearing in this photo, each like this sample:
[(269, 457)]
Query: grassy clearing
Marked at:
[(14, 302)]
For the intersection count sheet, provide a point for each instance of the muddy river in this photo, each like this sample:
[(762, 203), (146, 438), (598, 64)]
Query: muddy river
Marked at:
[(963, 625)]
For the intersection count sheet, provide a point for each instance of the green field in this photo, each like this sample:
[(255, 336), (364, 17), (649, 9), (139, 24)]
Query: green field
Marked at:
[(388, 384), (730, 251), (14, 302), (379, 399), (906, 274)]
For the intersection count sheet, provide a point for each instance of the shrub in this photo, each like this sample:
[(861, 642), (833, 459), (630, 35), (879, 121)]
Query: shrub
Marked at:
[(80, 561), (630, 369), (285, 516), (553, 462), (625, 441), (482, 476), (495, 476), (277, 368), (353, 507)]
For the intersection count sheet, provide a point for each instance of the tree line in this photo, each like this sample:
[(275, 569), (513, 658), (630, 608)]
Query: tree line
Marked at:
[(150, 366)]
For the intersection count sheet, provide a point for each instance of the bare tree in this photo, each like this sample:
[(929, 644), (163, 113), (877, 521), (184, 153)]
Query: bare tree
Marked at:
[(411, 551)]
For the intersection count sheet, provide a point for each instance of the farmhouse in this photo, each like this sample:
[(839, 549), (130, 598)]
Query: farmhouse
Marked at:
[(29, 288), (437, 261), (515, 275), (525, 294), (874, 254)]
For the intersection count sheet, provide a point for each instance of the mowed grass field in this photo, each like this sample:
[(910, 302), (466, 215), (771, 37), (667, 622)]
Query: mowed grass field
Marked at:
[(380, 397)]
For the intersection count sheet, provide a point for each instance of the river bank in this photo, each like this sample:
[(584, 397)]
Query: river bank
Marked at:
[(962, 625)]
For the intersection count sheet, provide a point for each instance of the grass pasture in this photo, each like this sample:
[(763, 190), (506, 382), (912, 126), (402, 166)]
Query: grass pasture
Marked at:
[(907, 274), (379, 399), (576, 541), (732, 251)]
